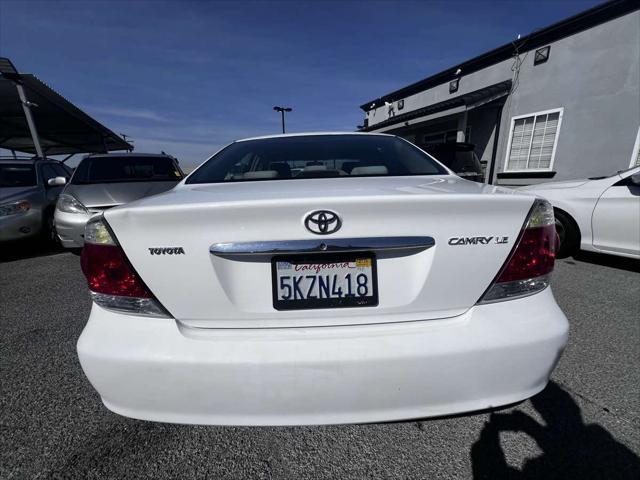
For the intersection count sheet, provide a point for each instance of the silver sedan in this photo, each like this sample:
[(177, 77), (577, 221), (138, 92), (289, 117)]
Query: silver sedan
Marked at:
[(101, 182), (29, 189)]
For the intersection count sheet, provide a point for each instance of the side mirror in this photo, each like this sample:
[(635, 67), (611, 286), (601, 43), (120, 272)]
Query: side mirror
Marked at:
[(635, 179), (57, 181)]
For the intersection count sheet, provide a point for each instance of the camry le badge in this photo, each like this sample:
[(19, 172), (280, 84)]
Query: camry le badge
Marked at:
[(477, 240), (322, 222)]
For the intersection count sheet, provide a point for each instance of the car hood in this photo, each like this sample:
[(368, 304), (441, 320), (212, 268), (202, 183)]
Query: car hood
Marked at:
[(555, 185), (112, 194), (8, 194)]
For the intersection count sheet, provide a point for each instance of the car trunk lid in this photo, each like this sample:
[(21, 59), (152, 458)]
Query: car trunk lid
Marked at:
[(169, 238)]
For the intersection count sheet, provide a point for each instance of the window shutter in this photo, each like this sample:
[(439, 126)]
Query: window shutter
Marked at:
[(532, 142), (520, 143)]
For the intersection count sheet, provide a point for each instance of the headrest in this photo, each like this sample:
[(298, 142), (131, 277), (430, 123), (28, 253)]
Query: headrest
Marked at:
[(260, 174), (371, 170)]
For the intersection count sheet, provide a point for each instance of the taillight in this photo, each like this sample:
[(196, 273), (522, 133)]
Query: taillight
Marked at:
[(108, 272), (112, 281), (527, 269)]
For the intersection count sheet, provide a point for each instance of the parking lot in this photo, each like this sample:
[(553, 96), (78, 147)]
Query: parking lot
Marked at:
[(586, 424)]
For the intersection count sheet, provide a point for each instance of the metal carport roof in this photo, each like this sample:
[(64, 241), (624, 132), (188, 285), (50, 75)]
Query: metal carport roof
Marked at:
[(62, 128)]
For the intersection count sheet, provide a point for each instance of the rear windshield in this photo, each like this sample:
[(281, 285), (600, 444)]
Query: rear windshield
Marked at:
[(126, 169), (316, 156), (17, 175)]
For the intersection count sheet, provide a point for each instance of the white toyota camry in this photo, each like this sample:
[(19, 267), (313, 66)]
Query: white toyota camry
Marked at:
[(316, 279)]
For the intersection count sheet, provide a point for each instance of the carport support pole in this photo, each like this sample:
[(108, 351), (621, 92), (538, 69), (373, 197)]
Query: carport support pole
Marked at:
[(26, 106)]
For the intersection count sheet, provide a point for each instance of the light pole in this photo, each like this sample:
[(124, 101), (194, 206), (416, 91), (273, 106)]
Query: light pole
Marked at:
[(282, 110)]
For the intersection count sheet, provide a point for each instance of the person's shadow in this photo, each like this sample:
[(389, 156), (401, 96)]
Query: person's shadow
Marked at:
[(570, 448)]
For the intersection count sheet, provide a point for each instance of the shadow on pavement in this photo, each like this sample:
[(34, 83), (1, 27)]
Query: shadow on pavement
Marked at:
[(571, 449), (11, 251), (613, 261)]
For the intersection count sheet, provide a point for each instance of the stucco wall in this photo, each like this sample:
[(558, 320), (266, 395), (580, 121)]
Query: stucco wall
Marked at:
[(593, 75)]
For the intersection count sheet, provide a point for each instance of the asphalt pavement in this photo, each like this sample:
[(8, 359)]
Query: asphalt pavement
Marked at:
[(586, 424)]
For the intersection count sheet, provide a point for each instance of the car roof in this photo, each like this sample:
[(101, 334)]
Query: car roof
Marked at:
[(128, 154), (312, 134), (31, 161)]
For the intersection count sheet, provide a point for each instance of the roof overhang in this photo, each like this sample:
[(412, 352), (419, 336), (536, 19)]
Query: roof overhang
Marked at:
[(62, 127), (458, 104)]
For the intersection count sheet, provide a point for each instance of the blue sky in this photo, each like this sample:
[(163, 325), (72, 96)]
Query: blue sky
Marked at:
[(188, 77)]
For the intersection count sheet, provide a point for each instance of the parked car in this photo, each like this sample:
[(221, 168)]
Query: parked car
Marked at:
[(101, 182), (29, 189), (459, 157), (253, 295), (597, 214)]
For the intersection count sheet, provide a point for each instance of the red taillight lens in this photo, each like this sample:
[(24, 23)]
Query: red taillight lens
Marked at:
[(534, 256), (113, 282), (109, 272), (527, 269)]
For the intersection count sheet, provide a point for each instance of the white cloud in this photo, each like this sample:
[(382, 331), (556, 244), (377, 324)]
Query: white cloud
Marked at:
[(137, 113), (192, 142)]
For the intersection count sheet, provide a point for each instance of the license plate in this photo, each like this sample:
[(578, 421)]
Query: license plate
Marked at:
[(324, 281)]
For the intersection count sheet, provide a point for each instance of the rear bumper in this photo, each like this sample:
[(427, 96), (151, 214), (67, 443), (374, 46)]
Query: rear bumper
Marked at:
[(156, 369), (70, 228)]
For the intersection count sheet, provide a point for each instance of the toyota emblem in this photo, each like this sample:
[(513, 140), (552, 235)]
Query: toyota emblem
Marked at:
[(322, 222)]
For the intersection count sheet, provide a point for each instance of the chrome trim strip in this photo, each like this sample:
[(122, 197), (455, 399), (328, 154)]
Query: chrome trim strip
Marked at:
[(338, 245)]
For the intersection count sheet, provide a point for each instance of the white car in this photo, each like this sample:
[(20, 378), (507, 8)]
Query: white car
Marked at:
[(597, 214), (319, 279)]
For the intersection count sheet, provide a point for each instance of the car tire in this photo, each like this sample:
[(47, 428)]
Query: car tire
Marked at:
[(568, 233)]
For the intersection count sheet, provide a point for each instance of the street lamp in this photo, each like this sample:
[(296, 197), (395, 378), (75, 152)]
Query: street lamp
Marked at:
[(282, 110)]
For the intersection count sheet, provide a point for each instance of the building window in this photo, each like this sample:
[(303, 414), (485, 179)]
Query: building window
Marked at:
[(541, 55), (453, 85), (400, 104), (532, 141), (635, 156)]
